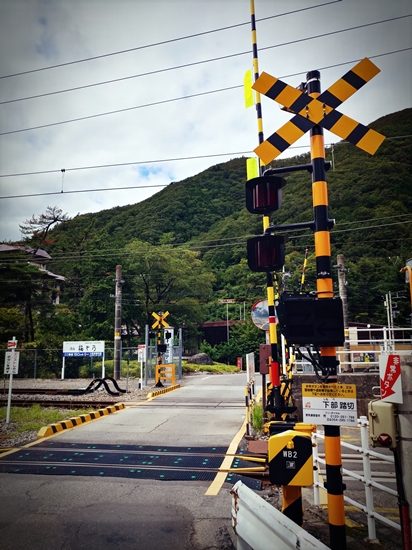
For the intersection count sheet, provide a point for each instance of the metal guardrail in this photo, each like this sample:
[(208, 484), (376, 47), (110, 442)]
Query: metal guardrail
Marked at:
[(366, 478), (258, 525)]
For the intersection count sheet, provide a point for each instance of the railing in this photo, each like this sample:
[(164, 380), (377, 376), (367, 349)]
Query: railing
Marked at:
[(363, 347), (258, 525), (366, 478)]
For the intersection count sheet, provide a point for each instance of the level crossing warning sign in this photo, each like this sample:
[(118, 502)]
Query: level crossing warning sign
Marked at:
[(322, 110), (160, 320), (329, 404)]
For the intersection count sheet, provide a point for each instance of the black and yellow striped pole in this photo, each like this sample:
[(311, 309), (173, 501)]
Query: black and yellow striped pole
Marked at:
[(274, 371), (324, 286), (256, 76)]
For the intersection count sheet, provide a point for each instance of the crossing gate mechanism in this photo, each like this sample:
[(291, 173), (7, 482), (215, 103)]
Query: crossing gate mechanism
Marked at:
[(310, 111), (290, 459)]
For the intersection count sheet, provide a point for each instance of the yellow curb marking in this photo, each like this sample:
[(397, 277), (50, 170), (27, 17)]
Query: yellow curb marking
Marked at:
[(70, 424), (156, 393)]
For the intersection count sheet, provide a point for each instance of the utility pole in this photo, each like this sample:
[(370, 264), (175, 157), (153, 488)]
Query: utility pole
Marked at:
[(118, 322), (389, 314), (344, 297)]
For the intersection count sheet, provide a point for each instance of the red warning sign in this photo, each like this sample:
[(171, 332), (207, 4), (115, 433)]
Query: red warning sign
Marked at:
[(390, 378)]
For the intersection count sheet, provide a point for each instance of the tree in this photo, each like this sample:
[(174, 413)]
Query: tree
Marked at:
[(164, 278), (26, 287), (244, 338), (37, 228)]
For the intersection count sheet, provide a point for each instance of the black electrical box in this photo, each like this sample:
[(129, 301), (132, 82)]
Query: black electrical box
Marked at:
[(306, 320)]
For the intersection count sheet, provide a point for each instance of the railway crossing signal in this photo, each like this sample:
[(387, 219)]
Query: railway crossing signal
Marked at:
[(160, 320), (311, 111), (308, 322)]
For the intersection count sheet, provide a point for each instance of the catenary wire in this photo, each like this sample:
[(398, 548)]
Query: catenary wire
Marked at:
[(164, 42)]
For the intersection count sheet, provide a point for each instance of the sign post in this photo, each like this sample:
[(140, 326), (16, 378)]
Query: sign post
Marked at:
[(83, 349), (141, 355), (11, 366)]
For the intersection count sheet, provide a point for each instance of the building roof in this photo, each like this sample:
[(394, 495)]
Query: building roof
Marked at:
[(38, 256), (35, 252)]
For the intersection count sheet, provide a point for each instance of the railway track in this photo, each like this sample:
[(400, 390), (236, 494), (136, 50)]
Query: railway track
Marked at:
[(132, 461), (60, 403)]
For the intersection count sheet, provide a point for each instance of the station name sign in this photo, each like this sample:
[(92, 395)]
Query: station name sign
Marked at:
[(83, 349)]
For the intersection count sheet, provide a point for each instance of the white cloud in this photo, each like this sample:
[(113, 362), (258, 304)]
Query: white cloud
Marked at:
[(35, 34)]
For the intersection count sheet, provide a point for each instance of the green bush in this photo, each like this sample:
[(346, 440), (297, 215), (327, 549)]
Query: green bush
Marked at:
[(216, 368), (94, 370), (257, 418)]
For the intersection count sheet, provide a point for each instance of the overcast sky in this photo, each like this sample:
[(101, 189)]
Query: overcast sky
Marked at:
[(172, 41)]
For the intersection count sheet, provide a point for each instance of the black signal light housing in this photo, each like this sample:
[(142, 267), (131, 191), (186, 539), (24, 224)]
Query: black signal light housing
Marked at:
[(266, 253), (264, 194)]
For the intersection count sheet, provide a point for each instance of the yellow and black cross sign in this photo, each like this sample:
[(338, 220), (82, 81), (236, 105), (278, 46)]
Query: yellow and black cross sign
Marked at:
[(160, 322), (310, 111)]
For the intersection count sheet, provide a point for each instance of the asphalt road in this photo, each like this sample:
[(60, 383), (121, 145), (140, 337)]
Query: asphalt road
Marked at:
[(97, 513)]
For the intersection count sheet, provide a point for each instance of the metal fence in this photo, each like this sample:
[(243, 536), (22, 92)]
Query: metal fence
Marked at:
[(362, 349), (366, 478), (47, 363)]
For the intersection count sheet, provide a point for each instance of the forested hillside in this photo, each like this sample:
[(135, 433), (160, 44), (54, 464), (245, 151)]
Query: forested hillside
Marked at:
[(184, 248)]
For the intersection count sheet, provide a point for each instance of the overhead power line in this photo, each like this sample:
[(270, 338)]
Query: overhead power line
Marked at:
[(235, 241), (211, 60), (142, 162), (181, 98), (164, 42)]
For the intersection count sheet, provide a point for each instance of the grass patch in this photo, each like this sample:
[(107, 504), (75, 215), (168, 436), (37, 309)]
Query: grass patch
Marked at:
[(257, 418), (216, 368), (35, 417)]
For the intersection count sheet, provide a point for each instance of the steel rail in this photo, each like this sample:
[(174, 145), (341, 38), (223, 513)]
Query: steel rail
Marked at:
[(61, 403), (259, 471)]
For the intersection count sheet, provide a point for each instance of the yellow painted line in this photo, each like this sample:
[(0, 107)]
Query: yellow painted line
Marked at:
[(220, 478), (351, 523)]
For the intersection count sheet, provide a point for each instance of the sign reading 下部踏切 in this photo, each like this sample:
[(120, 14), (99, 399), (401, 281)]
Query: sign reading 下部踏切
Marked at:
[(329, 404), (390, 377), (83, 349)]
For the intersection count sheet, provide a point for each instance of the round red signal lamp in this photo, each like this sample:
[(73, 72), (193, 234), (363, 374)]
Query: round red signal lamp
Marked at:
[(385, 440)]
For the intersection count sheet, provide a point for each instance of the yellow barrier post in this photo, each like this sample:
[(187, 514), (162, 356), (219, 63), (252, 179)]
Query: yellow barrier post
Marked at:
[(165, 372)]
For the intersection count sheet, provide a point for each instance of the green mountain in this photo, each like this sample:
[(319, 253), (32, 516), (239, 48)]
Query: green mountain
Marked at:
[(203, 219)]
